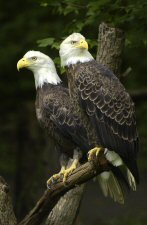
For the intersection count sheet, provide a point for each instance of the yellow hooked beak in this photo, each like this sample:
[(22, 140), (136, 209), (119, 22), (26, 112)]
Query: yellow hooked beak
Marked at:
[(23, 63), (82, 44)]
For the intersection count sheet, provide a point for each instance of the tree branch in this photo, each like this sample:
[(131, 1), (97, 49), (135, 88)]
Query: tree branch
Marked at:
[(51, 197)]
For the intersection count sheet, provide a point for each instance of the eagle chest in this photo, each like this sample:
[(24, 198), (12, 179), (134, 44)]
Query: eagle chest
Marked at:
[(39, 109), (72, 86), (39, 114)]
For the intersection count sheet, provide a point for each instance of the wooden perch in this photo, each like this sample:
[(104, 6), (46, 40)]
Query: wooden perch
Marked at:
[(50, 197)]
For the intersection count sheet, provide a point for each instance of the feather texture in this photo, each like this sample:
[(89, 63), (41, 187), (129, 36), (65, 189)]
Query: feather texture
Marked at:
[(111, 187), (57, 115), (109, 108)]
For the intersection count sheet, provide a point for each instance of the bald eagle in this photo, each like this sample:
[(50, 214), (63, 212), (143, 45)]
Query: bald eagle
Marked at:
[(100, 97), (56, 114), (53, 109)]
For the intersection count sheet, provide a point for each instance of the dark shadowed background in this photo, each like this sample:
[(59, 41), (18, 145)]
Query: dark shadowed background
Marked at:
[(27, 158)]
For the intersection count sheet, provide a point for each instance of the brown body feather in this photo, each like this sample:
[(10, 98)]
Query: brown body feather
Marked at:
[(57, 116), (98, 94)]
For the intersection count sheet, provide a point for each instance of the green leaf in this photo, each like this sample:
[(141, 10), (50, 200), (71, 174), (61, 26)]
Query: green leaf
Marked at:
[(44, 4), (92, 43), (56, 45), (45, 42)]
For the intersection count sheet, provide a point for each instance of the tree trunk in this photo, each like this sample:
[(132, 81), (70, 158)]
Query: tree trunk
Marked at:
[(66, 210), (7, 216), (110, 47)]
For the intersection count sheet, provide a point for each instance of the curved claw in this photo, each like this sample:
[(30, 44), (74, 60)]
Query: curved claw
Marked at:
[(52, 180), (67, 173), (94, 152), (49, 183), (64, 173)]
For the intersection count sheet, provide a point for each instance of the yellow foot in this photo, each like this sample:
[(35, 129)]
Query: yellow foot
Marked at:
[(54, 178), (94, 152), (68, 171)]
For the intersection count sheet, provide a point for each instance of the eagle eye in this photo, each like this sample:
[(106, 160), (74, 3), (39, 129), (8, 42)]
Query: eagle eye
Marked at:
[(34, 58), (73, 42)]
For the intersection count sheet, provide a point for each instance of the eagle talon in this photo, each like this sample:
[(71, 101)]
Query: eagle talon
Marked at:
[(94, 153), (65, 171), (52, 180), (68, 171), (50, 183)]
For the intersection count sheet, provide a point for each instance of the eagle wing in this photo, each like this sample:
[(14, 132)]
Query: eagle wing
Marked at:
[(58, 108), (109, 107)]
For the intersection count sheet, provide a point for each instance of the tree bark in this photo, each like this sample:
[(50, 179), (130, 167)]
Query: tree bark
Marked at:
[(50, 198), (7, 216), (66, 210), (110, 47)]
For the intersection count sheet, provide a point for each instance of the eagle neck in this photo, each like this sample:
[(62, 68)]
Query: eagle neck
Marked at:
[(74, 57), (46, 76), (71, 75)]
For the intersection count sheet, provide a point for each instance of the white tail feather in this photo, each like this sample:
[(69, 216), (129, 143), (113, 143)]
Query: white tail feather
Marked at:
[(111, 187), (113, 158), (131, 180)]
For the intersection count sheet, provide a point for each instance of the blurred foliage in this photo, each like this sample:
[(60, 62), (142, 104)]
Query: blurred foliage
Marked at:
[(82, 15), (85, 16)]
